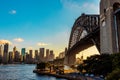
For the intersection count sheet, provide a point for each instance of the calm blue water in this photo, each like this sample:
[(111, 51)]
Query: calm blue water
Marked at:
[(21, 72)]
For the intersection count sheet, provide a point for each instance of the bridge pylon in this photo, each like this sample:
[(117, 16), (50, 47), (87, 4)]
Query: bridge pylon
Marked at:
[(110, 26)]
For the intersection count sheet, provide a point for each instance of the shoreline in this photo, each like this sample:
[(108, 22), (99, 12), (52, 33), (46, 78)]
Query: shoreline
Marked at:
[(16, 64), (65, 76)]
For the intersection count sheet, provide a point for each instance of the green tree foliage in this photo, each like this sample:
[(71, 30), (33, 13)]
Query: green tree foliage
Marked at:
[(97, 64), (102, 65), (80, 67), (115, 60), (41, 66), (115, 75)]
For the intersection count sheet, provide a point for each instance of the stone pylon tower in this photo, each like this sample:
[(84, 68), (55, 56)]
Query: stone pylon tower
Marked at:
[(110, 26)]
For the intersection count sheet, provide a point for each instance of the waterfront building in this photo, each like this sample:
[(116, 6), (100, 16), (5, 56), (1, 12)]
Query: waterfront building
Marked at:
[(27, 58), (58, 61), (0, 59), (1, 50), (30, 56), (5, 53), (10, 58), (23, 50), (14, 50), (17, 56), (79, 60), (51, 56), (41, 54), (62, 55), (36, 56), (47, 55)]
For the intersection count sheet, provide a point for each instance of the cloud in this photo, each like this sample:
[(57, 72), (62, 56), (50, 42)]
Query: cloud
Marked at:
[(42, 44), (5, 41), (13, 12), (91, 6), (70, 4), (18, 39), (77, 6), (30, 48)]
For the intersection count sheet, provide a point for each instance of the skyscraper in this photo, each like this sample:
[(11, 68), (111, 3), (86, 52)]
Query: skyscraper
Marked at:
[(14, 50), (51, 56), (36, 55), (17, 56), (30, 53), (6, 48), (27, 58), (41, 54), (47, 54), (1, 50), (23, 50), (10, 58), (5, 53)]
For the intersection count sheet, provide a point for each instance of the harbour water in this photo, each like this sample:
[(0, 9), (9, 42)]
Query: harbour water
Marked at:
[(22, 72)]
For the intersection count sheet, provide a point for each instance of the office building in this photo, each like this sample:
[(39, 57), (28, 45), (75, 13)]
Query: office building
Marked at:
[(51, 56), (23, 51), (30, 56), (41, 54), (47, 55), (5, 53), (36, 56)]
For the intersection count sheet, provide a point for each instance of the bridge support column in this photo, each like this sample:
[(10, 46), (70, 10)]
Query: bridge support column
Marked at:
[(70, 59), (109, 26), (66, 60)]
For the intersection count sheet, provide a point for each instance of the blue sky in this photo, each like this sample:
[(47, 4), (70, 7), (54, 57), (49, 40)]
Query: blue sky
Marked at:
[(41, 23)]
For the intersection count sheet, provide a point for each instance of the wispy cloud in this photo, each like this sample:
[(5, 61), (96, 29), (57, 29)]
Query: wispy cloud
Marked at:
[(18, 39), (5, 41), (70, 4), (30, 48), (12, 12), (42, 44), (77, 6), (91, 6)]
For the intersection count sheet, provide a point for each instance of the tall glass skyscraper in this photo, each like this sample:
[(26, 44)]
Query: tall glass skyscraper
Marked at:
[(5, 53), (23, 51)]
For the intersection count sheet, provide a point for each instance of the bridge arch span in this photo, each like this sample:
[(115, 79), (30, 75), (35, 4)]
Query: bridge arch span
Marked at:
[(84, 34)]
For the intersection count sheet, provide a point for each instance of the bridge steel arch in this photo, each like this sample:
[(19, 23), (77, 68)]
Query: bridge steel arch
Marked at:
[(84, 34), (102, 31)]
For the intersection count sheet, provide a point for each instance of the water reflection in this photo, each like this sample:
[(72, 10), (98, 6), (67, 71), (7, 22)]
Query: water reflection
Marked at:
[(21, 72)]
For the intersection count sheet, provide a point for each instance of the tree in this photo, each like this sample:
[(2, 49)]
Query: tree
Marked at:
[(115, 60), (115, 75), (97, 64), (80, 67), (41, 66)]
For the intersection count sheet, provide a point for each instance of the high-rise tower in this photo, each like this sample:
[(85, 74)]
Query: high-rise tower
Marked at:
[(47, 54), (30, 53), (41, 54), (1, 50), (23, 51), (5, 53), (14, 50), (36, 56)]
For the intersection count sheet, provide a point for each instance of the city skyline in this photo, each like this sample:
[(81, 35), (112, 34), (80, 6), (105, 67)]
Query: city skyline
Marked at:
[(41, 23), (30, 57)]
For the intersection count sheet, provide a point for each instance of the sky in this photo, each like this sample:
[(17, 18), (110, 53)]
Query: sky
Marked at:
[(33, 24)]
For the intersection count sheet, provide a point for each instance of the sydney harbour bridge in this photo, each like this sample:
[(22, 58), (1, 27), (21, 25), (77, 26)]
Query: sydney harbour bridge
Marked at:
[(102, 30)]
